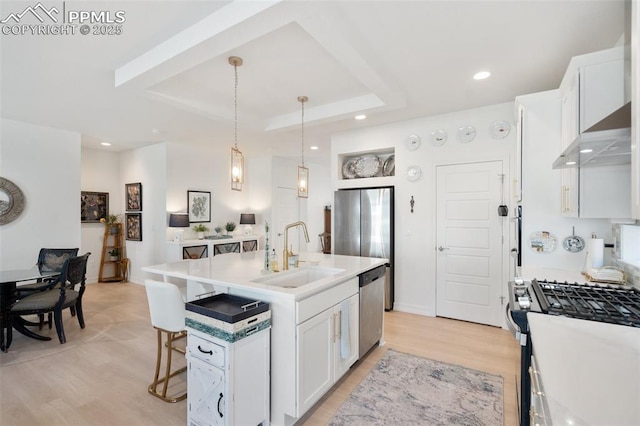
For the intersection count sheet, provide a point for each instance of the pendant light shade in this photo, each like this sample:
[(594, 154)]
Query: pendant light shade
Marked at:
[(303, 172), (237, 160)]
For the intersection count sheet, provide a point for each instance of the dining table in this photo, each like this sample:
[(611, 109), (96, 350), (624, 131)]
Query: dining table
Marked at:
[(9, 280)]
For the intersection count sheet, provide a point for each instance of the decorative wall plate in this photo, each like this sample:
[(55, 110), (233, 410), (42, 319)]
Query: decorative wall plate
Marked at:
[(573, 244), (438, 137), (11, 201), (348, 170), (413, 173), (367, 165), (413, 142), (389, 166), (500, 129), (466, 134), (542, 242)]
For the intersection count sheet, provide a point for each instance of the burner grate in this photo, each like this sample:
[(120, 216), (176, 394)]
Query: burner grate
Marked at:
[(601, 303)]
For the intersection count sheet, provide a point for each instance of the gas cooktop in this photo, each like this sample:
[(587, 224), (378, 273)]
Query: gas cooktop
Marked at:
[(595, 302)]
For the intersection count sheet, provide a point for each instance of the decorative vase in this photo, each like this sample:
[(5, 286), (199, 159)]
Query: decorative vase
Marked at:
[(201, 235), (113, 229)]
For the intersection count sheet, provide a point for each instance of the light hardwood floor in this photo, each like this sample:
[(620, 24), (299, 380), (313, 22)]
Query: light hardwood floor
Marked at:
[(100, 376)]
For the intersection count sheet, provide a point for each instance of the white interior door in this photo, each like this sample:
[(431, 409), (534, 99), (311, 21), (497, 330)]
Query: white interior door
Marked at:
[(469, 242)]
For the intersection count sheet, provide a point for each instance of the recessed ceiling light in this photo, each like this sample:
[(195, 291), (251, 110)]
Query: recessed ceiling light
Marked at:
[(156, 131), (105, 144), (360, 117), (481, 75), (570, 163), (586, 151), (314, 148)]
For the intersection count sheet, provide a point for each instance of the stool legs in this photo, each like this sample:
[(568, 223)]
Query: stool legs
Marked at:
[(153, 387)]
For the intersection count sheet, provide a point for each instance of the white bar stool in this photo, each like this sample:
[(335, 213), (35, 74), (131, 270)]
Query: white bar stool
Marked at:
[(167, 311)]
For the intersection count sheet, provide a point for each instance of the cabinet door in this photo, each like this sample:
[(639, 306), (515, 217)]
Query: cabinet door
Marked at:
[(205, 400), (315, 359), (226, 248), (195, 252), (249, 245), (601, 91), (516, 190), (570, 177), (346, 317)]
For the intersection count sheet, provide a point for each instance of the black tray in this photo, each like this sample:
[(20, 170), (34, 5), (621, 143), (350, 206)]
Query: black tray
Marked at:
[(227, 308)]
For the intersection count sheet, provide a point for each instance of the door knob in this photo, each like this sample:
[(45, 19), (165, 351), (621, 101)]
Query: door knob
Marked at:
[(440, 248)]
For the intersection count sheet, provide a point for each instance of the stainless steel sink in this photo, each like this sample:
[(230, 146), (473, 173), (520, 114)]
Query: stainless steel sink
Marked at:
[(298, 277)]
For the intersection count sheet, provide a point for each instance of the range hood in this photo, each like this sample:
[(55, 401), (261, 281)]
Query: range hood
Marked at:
[(606, 143)]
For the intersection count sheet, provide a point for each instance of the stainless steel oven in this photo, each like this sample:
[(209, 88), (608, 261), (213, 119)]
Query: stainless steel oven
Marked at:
[(612, 304)]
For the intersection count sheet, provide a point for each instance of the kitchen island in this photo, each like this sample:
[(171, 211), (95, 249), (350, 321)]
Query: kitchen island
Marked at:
[(314, 316)]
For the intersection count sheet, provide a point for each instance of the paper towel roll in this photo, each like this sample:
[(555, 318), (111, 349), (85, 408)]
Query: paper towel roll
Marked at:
[(595, 253)]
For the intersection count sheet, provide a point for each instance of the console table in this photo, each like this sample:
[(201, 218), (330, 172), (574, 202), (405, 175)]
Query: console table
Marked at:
[(198, 249)]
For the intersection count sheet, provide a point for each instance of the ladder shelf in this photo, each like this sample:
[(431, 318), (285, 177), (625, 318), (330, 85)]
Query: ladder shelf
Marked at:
[(114, 262)]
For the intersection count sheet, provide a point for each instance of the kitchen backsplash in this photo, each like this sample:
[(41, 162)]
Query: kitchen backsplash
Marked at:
[(632, 272)]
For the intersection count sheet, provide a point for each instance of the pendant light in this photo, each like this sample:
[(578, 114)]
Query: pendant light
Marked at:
[(303, 172), (237, 160)]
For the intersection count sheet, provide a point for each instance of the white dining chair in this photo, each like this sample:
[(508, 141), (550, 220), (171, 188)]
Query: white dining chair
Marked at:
[(167, 311)]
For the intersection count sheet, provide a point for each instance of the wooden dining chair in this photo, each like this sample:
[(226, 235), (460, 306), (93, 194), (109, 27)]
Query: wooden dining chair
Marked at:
[(64, 294), (49, 260)]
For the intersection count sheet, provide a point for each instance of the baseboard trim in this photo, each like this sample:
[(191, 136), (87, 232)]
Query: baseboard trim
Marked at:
[(413, 309)]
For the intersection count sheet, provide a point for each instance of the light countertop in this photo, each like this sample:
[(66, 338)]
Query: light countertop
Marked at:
[(240, 270), (590, 371)]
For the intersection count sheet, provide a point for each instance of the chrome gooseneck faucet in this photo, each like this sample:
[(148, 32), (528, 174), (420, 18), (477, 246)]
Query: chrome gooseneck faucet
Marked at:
[(285, 257)]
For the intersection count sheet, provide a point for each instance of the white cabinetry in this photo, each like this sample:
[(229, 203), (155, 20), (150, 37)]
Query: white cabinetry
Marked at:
[(326, 341), (592, 88), (228, 383), (327, 347), (570, 126)]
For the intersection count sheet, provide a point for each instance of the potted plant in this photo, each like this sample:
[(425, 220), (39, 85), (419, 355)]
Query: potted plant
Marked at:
[(230, 227), (114, 254), (200, 230), (111, 220), (218, 230)]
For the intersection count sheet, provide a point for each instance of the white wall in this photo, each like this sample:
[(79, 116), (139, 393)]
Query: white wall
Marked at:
[(148, 166), (100, 172), (541, 188), (167, 171), (45, 164), (415, 255)]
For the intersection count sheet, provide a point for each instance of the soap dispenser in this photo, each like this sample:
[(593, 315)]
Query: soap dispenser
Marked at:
[(274, 261)]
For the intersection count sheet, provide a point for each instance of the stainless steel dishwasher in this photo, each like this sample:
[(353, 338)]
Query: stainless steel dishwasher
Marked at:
[(371, 308)]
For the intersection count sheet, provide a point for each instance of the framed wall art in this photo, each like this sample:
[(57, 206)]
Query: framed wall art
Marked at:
[(134, 226), (93, 206), (133, 194), (199, 206)]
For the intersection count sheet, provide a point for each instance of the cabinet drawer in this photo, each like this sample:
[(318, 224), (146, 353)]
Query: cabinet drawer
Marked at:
[(313, 305), (205, 350)]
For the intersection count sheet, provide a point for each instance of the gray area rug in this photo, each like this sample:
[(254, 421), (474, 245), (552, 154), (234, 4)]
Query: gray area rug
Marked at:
[(405, 389)]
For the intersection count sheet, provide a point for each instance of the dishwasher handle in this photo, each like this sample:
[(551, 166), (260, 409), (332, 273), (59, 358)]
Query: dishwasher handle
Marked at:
[(372, 275)]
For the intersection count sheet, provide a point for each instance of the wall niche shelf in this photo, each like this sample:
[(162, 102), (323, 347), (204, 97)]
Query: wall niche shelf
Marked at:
[(366, 165)]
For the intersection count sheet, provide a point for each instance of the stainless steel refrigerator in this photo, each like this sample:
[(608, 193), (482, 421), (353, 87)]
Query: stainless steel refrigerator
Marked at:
[(363, 226)]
